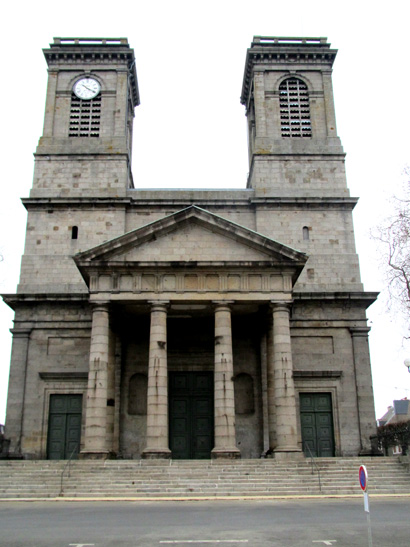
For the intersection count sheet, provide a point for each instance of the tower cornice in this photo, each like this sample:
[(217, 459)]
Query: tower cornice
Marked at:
[(268, 51), (92, 52)]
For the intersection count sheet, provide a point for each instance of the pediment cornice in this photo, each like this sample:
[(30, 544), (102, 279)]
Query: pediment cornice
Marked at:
[(129, 255), (111, 250)]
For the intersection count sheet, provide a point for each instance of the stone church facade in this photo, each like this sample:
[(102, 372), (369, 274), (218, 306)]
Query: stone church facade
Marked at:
[(189, 323)]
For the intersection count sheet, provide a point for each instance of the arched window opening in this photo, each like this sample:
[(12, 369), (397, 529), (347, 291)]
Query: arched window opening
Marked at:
[(74, 232), (294, 109), (305, 233), (85, 117)]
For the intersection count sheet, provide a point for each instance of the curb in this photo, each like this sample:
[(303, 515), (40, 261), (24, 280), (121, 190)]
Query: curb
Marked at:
[(204, 498)]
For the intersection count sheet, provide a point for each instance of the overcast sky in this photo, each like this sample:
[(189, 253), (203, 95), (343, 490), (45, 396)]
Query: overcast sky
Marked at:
[(190, 129)]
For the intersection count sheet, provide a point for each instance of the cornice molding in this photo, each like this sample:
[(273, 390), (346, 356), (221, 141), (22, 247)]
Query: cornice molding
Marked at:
[(272, 52), (309, 374), (15, 300), (94, 52), (63, 376), (173, 199), (355, 297)]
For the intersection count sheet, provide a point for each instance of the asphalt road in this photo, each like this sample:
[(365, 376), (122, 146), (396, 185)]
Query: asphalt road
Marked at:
[(340, 522)]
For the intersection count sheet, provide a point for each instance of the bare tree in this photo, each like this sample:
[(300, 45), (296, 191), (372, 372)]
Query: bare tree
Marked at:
[(393, 235)]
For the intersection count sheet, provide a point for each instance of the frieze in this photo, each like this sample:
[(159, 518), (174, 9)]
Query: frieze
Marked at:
[(150, 282)]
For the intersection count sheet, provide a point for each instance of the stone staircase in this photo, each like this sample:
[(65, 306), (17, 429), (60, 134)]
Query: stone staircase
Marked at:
[(198, 479)]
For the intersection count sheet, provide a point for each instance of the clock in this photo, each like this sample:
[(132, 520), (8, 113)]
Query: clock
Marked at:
[(86, 88)]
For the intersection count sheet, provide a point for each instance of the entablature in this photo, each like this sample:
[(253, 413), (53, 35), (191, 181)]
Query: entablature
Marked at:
[(205, 282)]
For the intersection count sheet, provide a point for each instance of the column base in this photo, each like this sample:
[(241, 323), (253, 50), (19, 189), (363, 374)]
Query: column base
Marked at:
[(225, 453), (96, 455), (287, 454), (156, 454)]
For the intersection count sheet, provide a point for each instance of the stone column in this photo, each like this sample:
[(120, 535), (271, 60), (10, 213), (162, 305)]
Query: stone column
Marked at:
[(364, 388), (225, 435), (95, 440), (157, 399), (284, 389), (17, 389)]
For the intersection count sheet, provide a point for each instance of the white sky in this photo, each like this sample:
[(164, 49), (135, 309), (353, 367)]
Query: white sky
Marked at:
[(190, 128)]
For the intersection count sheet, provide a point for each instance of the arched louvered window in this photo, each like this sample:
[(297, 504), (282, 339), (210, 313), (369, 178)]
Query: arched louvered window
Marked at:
[(294, 108), (85, 117)]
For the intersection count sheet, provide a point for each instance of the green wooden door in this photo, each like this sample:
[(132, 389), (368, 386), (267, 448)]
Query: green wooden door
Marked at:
[(64, 426), (191, 415), (316, 420)]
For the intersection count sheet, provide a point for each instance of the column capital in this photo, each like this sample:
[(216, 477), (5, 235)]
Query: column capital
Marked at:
[(282, 305), (159, 305), (102, 305), (222, 304)]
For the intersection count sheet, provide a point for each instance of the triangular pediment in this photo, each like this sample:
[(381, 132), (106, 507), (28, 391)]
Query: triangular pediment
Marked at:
[(191, 235)]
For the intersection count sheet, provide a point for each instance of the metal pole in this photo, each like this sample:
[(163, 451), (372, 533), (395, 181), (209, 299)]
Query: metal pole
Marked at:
[(369, 530)]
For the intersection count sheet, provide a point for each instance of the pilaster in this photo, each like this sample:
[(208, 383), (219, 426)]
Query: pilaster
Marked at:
[(50, 103), (121, 103), (265, 392), (364, 390), (17, 390), (329, 104), (271, 386), (260, 114)]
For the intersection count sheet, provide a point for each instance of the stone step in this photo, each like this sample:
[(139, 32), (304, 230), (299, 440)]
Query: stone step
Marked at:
[(199, 478)]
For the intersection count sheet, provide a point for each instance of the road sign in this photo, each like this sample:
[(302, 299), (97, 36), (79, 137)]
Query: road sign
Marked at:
[(363, 478), (363, 486)]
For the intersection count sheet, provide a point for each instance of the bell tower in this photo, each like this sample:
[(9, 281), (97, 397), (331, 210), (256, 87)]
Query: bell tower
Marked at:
[(86, 144), (82, 167), (294, 150)]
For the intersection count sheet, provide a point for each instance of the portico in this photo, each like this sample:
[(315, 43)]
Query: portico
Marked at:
[(258, 284)]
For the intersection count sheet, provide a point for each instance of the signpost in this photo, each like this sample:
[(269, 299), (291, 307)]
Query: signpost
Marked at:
[(363, 486)]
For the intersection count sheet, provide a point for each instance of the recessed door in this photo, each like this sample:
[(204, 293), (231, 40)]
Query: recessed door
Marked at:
[(191, 410), (316, 419), (64, 426)]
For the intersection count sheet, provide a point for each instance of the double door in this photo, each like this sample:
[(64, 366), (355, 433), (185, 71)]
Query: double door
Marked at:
[(316, 420), (191, 414), (64, 426)]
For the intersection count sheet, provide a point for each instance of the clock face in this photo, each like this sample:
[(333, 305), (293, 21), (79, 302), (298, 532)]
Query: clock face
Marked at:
[(86, 88)]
